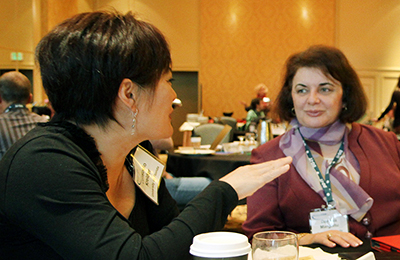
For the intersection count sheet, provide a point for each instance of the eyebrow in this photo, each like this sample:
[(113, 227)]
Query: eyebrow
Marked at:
[(326, 83), (320, 85)]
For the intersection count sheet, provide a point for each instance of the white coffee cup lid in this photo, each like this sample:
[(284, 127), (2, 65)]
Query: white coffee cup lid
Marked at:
[(220, 244)]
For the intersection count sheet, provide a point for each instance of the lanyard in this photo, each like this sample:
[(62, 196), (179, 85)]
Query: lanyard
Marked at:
[(12, 106), (325, 184)]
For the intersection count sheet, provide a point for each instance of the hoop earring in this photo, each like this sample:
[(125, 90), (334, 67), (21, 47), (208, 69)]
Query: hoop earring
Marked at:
[(293, 111), (134, 114)]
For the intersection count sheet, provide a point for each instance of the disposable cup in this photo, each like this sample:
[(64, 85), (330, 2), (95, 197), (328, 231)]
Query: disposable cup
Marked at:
[(220, 245)]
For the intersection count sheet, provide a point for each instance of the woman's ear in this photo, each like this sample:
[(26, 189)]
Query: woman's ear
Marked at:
[(127, 92)]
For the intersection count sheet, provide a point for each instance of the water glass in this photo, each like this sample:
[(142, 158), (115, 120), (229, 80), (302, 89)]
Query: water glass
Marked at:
[(275, 245)]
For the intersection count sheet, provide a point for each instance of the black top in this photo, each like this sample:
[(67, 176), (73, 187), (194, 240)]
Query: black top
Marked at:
[(53, 205)]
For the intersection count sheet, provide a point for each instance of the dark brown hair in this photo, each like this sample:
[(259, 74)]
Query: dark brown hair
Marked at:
[(332, 62), (84, 59)]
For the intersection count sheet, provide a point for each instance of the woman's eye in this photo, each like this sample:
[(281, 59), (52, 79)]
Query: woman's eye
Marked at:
[(301, 91), (326, 90), (171, 80)]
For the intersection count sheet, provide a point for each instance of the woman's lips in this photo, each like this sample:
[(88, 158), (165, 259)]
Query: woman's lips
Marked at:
[(314, 113)]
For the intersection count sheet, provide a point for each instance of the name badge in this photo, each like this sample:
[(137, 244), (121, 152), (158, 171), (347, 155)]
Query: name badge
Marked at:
[(328, 219), (148, 172)]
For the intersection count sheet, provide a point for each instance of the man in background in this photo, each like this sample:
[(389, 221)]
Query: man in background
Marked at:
[(15, 119)]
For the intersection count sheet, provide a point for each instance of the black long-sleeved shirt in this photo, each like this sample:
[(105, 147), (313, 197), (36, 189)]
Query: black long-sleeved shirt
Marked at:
[(53, 205)]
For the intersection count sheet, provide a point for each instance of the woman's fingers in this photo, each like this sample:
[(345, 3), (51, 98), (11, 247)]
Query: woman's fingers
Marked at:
[(344, 239), (275, 168), (248, 179), (335, 237)]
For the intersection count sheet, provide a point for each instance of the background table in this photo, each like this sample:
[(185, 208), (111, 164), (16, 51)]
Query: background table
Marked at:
[(213, 166)]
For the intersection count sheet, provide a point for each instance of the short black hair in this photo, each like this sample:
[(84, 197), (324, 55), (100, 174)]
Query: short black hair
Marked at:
[(84, 59), (333, 63)]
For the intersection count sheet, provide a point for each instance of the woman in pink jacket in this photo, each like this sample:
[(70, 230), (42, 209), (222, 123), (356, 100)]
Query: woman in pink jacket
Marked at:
[(344, 183)]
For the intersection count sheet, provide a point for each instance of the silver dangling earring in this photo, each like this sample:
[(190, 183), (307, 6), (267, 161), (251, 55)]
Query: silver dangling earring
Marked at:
[(293, 111), (134, 114)]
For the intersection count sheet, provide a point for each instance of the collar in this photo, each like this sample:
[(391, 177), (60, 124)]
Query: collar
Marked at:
[(14, 106)]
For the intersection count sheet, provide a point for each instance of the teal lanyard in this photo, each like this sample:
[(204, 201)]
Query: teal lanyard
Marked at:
[(325, 184)]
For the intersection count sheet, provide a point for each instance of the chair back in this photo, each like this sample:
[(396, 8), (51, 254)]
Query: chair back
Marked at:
[(227, 120), (208, 133), (232, 122)]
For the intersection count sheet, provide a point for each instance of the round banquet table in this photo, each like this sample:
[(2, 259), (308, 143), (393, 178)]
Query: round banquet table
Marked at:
[(213, 166)]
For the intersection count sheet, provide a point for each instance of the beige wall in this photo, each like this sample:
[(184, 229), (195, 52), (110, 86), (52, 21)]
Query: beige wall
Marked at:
[(47, 14), (246, 42), (368, 32), (236, 44), (179, 20), (16, 33), (26, 21)]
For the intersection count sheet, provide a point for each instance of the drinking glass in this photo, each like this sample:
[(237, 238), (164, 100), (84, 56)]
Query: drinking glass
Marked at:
[(275, 245)]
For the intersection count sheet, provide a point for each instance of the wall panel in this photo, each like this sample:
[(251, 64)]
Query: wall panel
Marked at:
[(16, 33), (246, 42), (369, 35), (177, 19)]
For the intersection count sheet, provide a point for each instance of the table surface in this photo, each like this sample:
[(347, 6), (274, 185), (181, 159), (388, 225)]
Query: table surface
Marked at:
[(213, 166), (353, 253)]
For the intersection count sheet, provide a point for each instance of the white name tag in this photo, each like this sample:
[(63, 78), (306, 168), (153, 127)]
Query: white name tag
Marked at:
[(148, 172), (328, 219)]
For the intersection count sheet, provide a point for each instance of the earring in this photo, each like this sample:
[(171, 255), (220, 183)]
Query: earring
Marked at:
[(134, 114), (293, 111), (345, 108)]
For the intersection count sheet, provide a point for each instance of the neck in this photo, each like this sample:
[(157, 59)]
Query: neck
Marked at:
[(330, 135), (114, 143), (3, 105)]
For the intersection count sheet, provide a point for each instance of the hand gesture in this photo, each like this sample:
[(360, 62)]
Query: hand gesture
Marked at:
[(248, 179)]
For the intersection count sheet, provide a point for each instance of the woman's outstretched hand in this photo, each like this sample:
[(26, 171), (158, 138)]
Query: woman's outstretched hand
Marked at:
[(248, 179)]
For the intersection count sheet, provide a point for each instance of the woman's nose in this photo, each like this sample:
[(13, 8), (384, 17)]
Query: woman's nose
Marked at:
[(314, 98)]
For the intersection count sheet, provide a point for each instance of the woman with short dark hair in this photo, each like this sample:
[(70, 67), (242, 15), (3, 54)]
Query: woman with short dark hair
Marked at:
[(67, 188)]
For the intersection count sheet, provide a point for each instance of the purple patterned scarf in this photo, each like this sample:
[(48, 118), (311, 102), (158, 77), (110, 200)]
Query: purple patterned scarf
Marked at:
[(324, 142)]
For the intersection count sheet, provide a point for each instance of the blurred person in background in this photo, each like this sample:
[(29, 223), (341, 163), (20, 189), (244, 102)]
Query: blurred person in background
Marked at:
[(15, 118), (261, 91), (393, 105), (256, 111)]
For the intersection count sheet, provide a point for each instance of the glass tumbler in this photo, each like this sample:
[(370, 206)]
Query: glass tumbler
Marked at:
[(275, 245)]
